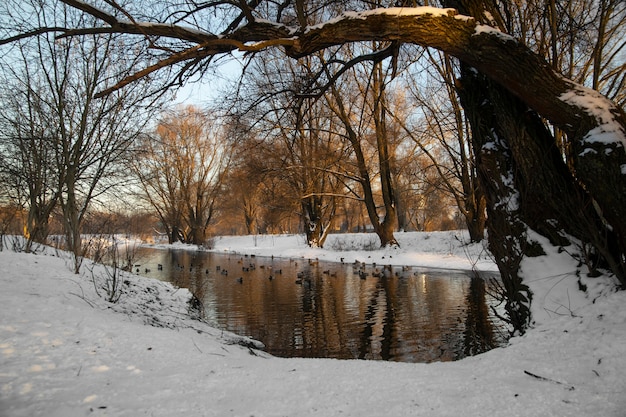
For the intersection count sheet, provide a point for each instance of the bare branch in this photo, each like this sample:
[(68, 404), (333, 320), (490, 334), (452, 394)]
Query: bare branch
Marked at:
[(205, 50), (345, 66), (95, 12), (348, 196), (30, 34)]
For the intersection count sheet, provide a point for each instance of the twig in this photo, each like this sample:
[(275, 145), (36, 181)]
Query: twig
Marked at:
[(194, 343), (82, 297), (543, 378)]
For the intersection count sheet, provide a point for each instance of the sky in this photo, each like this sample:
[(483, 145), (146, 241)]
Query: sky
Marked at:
[(200, 92)]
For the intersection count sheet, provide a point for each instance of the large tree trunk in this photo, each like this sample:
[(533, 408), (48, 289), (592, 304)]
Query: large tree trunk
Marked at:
[(528, 187), (498, 176), (315, 227)]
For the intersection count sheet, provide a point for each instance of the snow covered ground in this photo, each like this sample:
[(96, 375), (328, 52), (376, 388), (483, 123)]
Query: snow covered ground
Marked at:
[(65, 351), (432, 249)]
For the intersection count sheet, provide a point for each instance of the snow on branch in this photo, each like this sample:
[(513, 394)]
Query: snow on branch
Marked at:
[(391, 11), (608, 130)]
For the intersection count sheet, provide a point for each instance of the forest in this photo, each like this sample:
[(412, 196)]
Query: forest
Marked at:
[(502, 117)]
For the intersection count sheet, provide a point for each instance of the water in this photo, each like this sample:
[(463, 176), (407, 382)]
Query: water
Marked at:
[(304, 308)]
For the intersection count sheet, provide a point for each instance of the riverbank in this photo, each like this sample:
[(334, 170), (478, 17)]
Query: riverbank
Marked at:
[(65, 351), (449, 250)]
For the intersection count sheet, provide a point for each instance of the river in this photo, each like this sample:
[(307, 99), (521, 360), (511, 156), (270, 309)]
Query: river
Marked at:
[(309, 308)]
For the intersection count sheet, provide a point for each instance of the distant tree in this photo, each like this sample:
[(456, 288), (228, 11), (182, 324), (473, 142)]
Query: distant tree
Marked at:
[(241, 194), (426, 199), (365, 118), (138, 223), (181, 169)]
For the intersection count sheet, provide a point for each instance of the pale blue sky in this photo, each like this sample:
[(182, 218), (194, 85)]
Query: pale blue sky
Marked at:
[(201, 92)]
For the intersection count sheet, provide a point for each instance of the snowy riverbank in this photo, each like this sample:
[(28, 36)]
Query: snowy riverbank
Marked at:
[(430, 249), (64, 351)]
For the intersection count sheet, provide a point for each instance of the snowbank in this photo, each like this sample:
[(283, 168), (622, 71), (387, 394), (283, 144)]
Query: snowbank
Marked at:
[(450, 250), (64, 351)]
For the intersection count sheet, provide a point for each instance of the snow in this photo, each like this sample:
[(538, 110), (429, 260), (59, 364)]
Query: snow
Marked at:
[(492, 31), (185, 28), (429, 249), (416, 12), (392, 11), (409, 11), (65, 351), (604, 111)]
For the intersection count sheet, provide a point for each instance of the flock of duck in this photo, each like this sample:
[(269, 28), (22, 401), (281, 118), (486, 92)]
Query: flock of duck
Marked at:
[(248, 264)]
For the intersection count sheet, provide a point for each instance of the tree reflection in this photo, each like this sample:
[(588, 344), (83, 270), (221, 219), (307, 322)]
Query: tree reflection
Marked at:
[(385, 290), (478, 333)]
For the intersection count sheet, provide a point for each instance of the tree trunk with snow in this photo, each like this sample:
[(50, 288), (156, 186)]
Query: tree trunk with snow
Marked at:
[(529, 187)]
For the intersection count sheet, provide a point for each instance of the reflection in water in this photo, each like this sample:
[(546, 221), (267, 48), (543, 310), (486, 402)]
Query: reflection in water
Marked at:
[(478, 330), (303, 308)]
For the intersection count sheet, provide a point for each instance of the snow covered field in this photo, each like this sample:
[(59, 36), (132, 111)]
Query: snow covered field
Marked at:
[(65, 351)]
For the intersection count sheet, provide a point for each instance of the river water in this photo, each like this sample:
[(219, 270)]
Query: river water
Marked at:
[(306, 308)]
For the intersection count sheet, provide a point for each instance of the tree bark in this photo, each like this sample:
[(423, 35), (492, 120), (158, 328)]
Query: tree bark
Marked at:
[(386, 228), (315, 228), (498, 177), (474, 214)]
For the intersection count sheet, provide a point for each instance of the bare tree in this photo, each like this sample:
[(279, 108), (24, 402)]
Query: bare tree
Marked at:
[(365, 117), (300, 147), (181, 170), (244, 180), (442, 134), (29, 174), (69, 145)]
